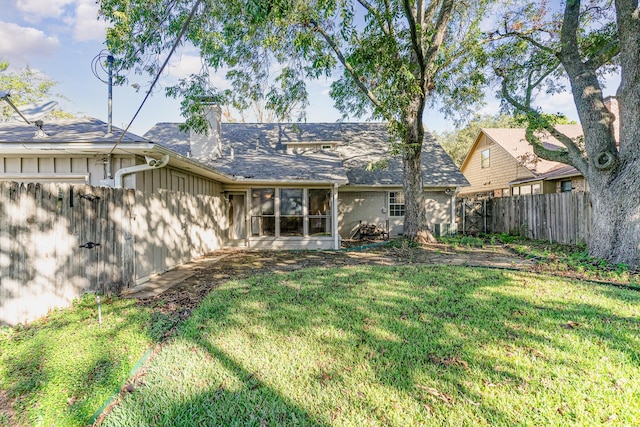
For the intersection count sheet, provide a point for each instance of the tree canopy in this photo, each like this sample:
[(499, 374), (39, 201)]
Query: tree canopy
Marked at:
[(392, 60)]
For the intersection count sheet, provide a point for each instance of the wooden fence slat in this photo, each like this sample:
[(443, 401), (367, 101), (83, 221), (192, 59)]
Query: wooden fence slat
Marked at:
[(559, 217), (42, 227)]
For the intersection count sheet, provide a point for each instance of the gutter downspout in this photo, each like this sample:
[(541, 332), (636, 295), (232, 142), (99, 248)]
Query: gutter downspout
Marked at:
[(334, 214), (453, 205), (151, 164)]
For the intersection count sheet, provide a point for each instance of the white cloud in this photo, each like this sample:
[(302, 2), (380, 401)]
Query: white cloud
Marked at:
[(87, 26), (19, 44), (183, 65), (78, 16), (37, 10), (558, 103)]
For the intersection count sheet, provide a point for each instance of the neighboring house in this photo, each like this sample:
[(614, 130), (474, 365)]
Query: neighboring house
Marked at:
[(282, 186), (307, 185), (502, 163)]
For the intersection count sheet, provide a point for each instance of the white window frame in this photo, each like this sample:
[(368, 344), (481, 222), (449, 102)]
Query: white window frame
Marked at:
[(326, 216), (396, 204), (485, 157)]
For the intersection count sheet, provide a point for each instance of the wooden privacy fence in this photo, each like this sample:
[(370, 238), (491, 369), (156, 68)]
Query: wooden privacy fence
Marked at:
[(59, 241), (560, 217)]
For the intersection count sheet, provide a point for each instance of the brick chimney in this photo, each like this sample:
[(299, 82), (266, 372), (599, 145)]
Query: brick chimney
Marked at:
[(208, 145), (611, 102)]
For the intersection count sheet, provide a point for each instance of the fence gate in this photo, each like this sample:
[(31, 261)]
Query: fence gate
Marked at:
[(473, 215)]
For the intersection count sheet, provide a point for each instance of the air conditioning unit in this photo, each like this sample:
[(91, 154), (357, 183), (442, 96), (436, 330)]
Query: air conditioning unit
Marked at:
[(445, 229)]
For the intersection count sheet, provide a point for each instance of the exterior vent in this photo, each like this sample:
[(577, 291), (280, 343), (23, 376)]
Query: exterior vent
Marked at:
[(445, 229)]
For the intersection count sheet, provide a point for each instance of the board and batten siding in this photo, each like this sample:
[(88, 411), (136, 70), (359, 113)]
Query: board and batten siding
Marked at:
[(172, 179), (72, 169), (91, 170), (503, 168)]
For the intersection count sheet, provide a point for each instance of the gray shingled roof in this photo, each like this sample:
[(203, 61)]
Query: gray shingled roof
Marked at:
[(259, 152), (84, 129)]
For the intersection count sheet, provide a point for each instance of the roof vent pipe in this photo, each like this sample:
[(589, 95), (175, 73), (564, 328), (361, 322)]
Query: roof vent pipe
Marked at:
[(151, 164), (110, 60)]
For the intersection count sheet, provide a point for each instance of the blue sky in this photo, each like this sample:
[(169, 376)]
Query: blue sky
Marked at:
[(59, 38)]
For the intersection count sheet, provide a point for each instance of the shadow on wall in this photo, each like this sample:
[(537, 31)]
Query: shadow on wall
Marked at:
[(172, 228), (59, 241), (365, 207), (49, 252)]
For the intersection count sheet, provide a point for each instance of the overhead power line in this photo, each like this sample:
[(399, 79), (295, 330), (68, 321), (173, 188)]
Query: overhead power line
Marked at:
[(155, 80)]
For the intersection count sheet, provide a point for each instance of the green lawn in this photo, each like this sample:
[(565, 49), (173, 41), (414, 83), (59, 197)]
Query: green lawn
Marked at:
[(398, 346), (59, 370)]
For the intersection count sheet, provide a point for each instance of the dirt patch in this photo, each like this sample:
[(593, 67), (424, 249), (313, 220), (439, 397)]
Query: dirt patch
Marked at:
[(237, 263), (7, 413)]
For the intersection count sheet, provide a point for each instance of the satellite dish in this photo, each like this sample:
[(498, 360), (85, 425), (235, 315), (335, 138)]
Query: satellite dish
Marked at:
[(35, 111)]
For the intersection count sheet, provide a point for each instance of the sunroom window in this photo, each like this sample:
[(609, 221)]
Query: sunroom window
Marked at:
[(263, 218), (319, 212), (291, 212)]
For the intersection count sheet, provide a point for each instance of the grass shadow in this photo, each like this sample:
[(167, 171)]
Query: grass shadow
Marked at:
[(396, 346), (61, 368)]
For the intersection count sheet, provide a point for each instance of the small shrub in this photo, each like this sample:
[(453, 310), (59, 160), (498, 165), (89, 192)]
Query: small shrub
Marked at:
[(468, 241), (403, 243)]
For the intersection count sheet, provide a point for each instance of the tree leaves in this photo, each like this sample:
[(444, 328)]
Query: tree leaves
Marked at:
[(26, 86)]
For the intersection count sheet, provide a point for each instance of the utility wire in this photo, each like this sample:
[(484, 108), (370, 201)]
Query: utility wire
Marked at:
[(173, 48)]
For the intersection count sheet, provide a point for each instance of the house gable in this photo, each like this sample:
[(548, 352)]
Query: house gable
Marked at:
[(495, 173), (511, 158)]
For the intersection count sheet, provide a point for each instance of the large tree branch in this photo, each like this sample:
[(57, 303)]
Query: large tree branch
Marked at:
[(540, 151), (352, 72), (587, 93), (440, 29), (574, 154), (416, 40), (628, 16), (429, 13), (569, 48), (605, 54)]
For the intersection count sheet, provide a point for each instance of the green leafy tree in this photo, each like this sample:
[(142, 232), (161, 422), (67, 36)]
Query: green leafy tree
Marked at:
[(25, 87), (582, 42), (393, 60)]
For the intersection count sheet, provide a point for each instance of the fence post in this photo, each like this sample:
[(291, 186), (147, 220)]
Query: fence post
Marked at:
[(484, 215)]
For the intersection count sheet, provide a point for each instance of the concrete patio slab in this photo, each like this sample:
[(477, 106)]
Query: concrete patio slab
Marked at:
[(159, 284)]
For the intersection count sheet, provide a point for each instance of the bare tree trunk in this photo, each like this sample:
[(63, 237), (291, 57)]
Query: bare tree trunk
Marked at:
[(615, 231), (415, 217), (415, 212)]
